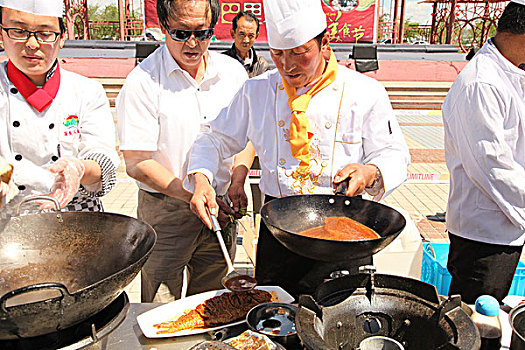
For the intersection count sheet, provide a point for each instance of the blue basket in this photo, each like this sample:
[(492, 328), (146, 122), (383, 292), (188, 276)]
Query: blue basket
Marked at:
[(434, 266), (434, 270)]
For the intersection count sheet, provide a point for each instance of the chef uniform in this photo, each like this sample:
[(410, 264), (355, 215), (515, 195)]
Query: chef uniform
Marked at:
[(68, 117), (351, 119), (484, 121)]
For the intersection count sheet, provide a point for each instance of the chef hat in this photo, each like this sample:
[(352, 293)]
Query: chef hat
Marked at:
[(53, 8), (291, 23), (521, 2)]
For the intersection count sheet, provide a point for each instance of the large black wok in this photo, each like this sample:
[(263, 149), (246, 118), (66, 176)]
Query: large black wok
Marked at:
[(57, 269), (287, 216)]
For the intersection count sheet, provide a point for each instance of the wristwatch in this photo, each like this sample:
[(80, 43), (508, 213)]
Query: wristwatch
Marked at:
[(378, 181)]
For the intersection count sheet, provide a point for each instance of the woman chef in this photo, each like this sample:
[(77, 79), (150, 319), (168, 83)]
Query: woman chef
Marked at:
[(313, 123), (56, 127)]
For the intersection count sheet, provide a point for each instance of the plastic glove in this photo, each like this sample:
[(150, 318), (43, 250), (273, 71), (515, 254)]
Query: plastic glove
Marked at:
[(8, 189), (69, 172)]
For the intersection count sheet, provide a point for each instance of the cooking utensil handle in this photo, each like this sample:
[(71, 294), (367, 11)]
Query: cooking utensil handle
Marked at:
[(217, 229), (342, 187), (32, 288), (37, 198)]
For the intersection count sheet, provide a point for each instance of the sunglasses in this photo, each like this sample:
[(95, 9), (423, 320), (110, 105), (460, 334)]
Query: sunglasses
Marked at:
[(184, 35)]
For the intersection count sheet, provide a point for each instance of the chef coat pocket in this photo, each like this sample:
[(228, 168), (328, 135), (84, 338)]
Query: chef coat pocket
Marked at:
[(486, 203), (350, 145)]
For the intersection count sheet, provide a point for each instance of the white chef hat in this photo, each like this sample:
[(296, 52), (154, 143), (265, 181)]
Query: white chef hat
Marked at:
[(291, 23), (53, 8), (521, 2)]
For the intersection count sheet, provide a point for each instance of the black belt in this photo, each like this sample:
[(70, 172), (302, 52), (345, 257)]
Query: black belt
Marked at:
[(157, 195), (268, 198)]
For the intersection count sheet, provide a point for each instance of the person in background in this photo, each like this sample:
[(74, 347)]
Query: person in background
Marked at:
[(56, 127), (244, 32), (484, 120), (164, 104), (313, 124)]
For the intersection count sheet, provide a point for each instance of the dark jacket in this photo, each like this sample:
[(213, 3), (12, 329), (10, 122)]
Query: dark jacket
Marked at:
[(258, 66)]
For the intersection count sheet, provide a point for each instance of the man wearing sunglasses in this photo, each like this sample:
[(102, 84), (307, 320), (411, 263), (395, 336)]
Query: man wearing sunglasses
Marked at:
[(161, 109), (56, 127)]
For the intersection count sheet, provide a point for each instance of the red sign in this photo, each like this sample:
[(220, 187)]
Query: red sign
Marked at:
[(349, 21)]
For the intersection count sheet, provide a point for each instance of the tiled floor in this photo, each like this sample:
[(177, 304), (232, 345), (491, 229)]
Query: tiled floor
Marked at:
[(423, 195)]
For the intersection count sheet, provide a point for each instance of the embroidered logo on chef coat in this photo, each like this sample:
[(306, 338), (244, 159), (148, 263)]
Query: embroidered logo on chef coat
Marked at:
[(71, 125), (304, 181)]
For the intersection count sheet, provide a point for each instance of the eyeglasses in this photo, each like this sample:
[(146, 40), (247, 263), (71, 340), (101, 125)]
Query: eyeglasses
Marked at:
[(42, 36), (184, 35)]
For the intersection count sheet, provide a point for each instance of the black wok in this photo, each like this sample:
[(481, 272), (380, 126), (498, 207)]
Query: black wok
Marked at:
[(287, 216), (57, 269)]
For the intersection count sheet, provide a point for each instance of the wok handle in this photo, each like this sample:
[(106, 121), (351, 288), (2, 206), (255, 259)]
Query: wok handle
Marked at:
[(37, 198), (32, 288), (342, 187)]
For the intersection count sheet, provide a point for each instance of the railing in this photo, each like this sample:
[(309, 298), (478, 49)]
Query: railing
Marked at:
[(110, 30), (413, 32)]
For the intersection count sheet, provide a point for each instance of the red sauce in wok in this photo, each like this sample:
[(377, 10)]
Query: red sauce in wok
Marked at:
[(340, 228)]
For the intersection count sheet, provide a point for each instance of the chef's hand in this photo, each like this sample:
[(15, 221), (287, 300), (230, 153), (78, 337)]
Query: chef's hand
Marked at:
[(361, 176), (68, 173), (238, 198), (203, 196), (225, 213)]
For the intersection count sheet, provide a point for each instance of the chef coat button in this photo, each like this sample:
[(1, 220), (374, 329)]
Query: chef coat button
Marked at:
[(21, 187), (281, 123), (282, 161), (14, 90), (18, 157), (51, 126), (16, 123), (328, 125), (324, 164), (336, 88), (54, 158)]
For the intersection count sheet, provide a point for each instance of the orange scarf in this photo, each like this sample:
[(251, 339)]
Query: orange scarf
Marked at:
[(300, 130)]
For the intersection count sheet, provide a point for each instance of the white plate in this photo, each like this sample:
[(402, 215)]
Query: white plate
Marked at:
[(175, 309)]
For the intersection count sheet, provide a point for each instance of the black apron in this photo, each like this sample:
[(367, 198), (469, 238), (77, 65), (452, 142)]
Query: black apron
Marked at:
[(276, 265)]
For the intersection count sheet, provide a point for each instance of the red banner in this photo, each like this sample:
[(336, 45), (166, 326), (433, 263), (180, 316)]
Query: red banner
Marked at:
[(349, 21), (150, 14)]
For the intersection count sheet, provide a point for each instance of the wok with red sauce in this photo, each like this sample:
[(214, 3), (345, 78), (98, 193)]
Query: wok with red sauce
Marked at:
[(341, 228), (286, 217)]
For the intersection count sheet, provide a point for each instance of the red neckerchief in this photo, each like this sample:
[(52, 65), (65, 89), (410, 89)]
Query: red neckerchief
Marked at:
[(40, 98)]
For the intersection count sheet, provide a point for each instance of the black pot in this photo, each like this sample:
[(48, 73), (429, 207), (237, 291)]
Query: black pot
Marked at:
[(276, 321), (517, 322)]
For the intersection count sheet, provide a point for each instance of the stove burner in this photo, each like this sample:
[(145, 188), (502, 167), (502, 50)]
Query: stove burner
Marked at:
[(85, 335), (378, 342), (346, 311)]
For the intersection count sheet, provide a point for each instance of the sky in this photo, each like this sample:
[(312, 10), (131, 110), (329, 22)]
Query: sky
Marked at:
[(419, 13)]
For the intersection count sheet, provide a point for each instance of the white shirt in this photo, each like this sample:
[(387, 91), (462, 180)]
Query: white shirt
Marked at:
[(352, 121), (162, 109), (484, 120), (31, 141)]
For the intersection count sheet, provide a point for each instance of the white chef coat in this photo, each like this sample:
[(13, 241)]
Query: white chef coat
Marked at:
[(32, 141), (162, 109), (484, 120), (352, 121)]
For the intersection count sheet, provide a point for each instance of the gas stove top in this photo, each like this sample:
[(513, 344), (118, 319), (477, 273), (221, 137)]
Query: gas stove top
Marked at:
[(86, 335)]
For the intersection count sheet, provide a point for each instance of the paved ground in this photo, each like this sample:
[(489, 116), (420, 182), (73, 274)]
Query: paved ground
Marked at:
[(424, 194)]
